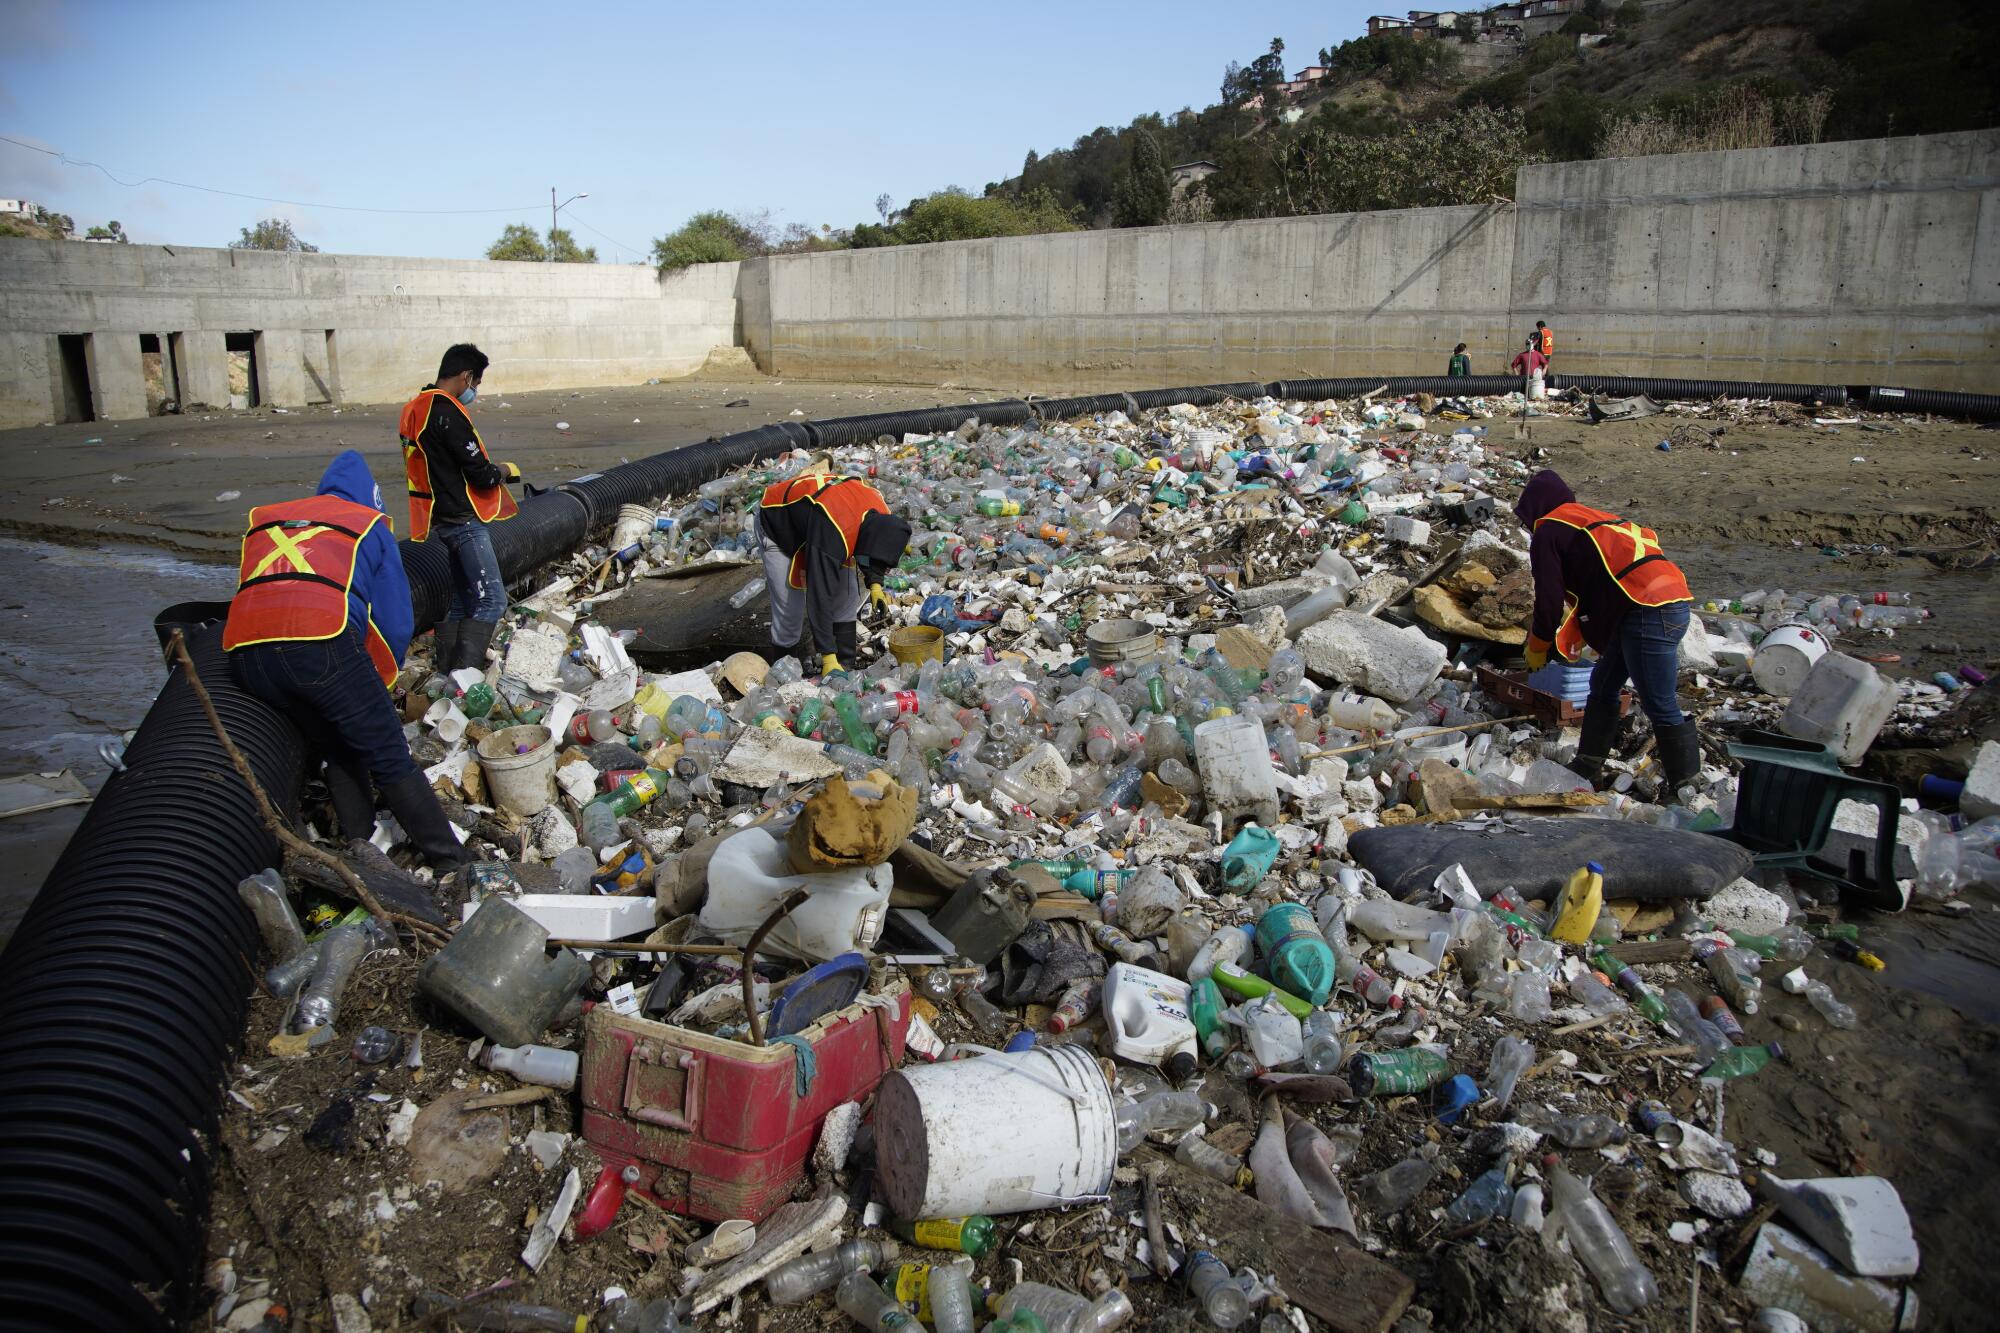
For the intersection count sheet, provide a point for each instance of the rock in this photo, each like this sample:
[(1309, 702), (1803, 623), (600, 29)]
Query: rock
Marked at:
[(1384, 586), (533, 655), (1394, 664), (1742, 905), (1716, 1195), (1409, 531), (1696, 654), (1280, 594), (836, 1136), (1268, 624), (348, 1316), (1981, 796), (1360, 794), (1789, 1271)]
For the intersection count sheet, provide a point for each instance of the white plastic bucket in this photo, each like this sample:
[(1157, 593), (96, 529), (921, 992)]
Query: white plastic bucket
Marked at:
[(634, 522), (519, 783), (1003, 1133), (1842, 704), (1236, 772), (1785, 657), (1423, 743), (751, 873)]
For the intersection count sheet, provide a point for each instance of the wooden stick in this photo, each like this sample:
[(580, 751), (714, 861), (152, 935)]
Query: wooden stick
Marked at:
[(1422, 735), (432, 935), (1585, 1026), (786, 906), (1156, 1231), (646, 950), (511, 1097)]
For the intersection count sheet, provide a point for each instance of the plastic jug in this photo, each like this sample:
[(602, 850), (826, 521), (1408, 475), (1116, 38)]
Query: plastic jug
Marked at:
[(1297, 955), (1842, 704), (750, 873), (1578, 905), (1147, 1015), (1249, 857), (1236, 771)]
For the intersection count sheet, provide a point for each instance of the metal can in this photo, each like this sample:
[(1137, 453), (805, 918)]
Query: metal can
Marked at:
[(1650, 1114)]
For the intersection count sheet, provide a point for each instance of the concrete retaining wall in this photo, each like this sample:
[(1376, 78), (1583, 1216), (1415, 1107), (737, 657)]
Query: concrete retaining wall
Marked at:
[(342, 328), (1872, 261)]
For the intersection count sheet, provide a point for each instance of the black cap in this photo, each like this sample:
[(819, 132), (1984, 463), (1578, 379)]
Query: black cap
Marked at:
[(1181, 1066)]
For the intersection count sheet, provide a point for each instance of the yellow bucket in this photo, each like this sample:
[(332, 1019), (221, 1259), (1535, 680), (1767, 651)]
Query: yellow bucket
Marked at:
[(912, 644)]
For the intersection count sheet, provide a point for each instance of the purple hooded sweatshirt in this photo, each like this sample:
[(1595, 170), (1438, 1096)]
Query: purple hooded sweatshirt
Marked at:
[(1565, 560)]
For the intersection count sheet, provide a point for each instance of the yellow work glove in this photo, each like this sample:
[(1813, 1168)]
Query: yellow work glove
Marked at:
[(878, 598), (828, 664), (513, 471), (1537, 653)]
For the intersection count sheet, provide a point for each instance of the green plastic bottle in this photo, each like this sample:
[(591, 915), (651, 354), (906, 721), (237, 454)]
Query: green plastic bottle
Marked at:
[(859, 734), (809, 715), (635, 791), (1242, 983), (1205, 1008), (1394, 1073), (968, 1235), (1643, 996), (1741, 1061), (1789, 945)]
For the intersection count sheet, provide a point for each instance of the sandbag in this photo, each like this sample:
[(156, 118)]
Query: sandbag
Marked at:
[(1537, 854)]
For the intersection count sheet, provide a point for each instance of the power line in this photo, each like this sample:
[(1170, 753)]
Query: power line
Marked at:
[(574, 217), (69, 161)]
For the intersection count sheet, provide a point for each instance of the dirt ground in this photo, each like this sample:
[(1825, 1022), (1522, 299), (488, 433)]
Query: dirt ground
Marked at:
[(1772, 502)]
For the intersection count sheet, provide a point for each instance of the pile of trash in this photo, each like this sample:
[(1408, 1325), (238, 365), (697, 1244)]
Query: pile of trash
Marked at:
[(1191, 882)]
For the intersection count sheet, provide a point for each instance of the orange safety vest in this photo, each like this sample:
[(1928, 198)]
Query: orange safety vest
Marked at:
[(490, 503), (297, 568), (1631, 555), (1548, 342), (844, 500)]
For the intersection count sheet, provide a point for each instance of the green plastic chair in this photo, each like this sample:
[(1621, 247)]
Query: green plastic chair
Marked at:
[(1785, 802)]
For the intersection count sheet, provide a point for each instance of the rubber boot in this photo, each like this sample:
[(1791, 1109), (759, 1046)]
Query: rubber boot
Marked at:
[(444, 652), (847, 644), (353, 801), (474, 637), (1600, 730), (415, 806), (1680, 753)]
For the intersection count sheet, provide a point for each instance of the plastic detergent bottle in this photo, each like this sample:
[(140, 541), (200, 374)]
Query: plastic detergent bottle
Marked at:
[(1578, 905), (1300, 960), (1147, 1015)]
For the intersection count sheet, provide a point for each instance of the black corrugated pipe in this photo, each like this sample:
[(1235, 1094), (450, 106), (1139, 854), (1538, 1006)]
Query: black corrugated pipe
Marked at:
[(646, 480), (1314, 391), (918, 421), (1066, 409), (1626, 386), (123, 996), (1943, 402), (1200, 395)]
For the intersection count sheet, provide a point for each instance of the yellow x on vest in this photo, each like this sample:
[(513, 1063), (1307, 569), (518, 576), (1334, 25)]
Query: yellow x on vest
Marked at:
[(288, 547), (1643, 544)]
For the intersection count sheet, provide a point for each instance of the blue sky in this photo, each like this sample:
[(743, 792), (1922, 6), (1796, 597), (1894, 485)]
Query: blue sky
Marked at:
[(657, 110)]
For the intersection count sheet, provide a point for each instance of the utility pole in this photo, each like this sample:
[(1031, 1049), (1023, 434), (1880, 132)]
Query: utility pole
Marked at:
[(554, 208)]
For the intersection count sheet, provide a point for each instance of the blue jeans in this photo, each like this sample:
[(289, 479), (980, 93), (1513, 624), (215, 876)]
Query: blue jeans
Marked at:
[(1648, 652), (329, 688), (477, 590)]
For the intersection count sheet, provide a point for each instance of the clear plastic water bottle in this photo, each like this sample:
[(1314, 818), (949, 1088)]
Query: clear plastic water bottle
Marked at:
[(803, 1278), (1066, 1312), (1510, 1059), (1596, 1239), (861, 1298), (341, 951), (1222, 1301)]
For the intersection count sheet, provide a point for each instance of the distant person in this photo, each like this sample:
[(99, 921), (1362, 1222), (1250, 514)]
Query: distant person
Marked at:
[(317, 630), (1603, 581), (817, 532), (1546, 338), (1461, 364), (1529, 364), (455, 491)]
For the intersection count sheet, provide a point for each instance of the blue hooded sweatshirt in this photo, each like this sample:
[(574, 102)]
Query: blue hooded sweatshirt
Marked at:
[(381, 589)]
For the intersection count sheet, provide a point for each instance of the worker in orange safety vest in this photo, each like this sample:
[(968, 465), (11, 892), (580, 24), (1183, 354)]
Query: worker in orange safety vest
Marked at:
[(823, 537)]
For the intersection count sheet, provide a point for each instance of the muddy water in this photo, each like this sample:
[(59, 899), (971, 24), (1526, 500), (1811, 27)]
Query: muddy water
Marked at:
[(78, 664)]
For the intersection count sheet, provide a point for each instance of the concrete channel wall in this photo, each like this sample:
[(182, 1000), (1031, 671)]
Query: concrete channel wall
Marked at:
[(1875, 261), (328, 328)]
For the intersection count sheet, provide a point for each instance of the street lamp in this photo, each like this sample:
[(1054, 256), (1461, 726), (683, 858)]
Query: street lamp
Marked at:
[(555, 208)]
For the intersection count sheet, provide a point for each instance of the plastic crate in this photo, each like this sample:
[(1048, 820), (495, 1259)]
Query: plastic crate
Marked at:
[(716, 1128), (1512, 689)]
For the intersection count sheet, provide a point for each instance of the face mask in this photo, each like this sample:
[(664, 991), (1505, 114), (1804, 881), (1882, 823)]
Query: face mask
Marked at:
[(471, 392)]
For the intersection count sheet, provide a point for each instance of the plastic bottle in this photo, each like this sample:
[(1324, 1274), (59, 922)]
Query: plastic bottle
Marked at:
[(1196, 1151), (1299, 959), (1077, 1004), (1734, 971), (1387, 921), (951, 1298), (1238, 982), (628, 1314), (1788, 945), (1510, 1058), (1205, 1008), (1822, 998), (1323, 1049), (284, 979), (1162, 1112), (1274, 1034), (1066, 1312), (861, 1298), (1249, 857), (1742, 1061), (546, 1065), (1716, 1012), (597, 828), (1596, 1240), (1488, 1196), (264, 894), (1226, 946), (1704, 1036), (1209, 1281), (1393, 1073), (500, 1316), (968, 1235), (1642, 995), (1394, 1188), (341, 951), (374, 1044), (1586, 1131), (1372, 987), (1578, 904)]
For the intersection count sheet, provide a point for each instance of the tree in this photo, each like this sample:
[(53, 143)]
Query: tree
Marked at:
[(713, 237), (110, 231), (1469, 157), (564, 249), (273, 234), (955, 215), (1145, 190), (61, 225), (520, 242)]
